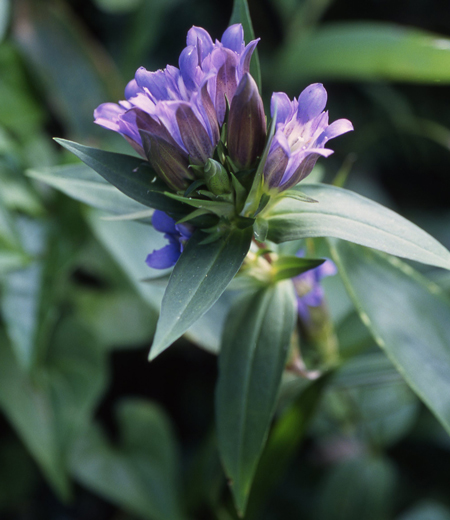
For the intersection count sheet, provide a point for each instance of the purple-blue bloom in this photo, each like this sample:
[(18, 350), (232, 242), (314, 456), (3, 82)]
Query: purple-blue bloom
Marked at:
[(309, 291), (173, 116), (302, 131), (176, 234)]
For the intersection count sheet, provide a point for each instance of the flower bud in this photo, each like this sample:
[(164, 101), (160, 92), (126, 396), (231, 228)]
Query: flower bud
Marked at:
[(246, 124), (216, 177)]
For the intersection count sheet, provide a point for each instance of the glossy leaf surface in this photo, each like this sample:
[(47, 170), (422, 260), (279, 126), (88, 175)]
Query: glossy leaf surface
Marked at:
[(408, 317), (199, 278), (255, 344), (341, 213)]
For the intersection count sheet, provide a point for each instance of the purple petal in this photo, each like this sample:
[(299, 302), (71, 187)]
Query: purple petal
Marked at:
[(277, 160), (155, 82), (302, 310), (163, 223), (246, 56), (339, 127), (188, 63), (284, 107), (233, 38), (311, 102), (198, 37), (328, 268), (131, 89), (107, 115), (165, 257), (193, 133)]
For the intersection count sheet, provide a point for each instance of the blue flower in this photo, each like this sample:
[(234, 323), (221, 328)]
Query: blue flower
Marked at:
[(173, 116), (309, 290), (176, 234), (302, 131)]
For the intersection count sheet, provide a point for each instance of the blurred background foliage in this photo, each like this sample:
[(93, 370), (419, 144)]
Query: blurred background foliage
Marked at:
[(89, 429)]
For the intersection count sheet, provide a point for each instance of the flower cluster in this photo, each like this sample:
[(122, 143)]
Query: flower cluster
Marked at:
[(173, 116), (202, 127)]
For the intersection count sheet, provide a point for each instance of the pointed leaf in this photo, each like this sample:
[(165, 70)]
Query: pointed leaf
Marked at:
[(344, 214), (256, 338), (131, 175), (408, 317), (200, 276), (241, 14)]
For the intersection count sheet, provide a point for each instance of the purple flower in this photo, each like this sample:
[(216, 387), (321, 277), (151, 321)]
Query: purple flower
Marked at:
[(176, 234), (308, 288), (173, 116), (302, 131)]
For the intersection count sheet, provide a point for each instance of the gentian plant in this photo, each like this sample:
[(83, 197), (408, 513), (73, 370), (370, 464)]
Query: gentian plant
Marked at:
[(225, 186)]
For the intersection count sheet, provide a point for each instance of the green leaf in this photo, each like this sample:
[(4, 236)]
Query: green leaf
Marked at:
[(282, 445), (50, 407), (131, 175), (365, 51), (255, 344), (241, 14), (357, 488), (408, 317), (140, 473), (81, 183), (290, 266), (199, 278), (344, 214)]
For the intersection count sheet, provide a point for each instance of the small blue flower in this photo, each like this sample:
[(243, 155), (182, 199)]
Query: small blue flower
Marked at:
[(309, 290), (302, 131), (176, 234)]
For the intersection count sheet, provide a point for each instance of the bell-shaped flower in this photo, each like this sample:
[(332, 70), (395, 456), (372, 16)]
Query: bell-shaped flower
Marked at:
[(173, 116), (302, 131), (176, 234), (246, 131)]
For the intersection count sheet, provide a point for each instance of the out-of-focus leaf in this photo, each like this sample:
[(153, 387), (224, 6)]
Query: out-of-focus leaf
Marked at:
[(427, 510), (101, 312), (147, 24), (140, 473), (357, 488), (241, 14), (344, 214), (73, 71), (4, 17), (256, 338), (408, 317), (129, 243), (198, 279), (82, 183), (364, 51), (118, 6), (49, 408), (19, 110), (20, 309)]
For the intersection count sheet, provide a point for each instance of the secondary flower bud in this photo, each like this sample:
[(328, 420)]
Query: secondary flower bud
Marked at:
[(216, 177), (246, 124)]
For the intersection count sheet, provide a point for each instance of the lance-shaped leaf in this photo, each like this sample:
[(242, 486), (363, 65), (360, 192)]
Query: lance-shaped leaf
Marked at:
[(200, 276), (255, 344), (408, 317), (344, 214), (241, 14), (131, 175)]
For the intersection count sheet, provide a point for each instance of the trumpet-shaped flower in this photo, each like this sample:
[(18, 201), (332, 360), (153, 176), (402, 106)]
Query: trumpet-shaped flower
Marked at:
[(302, 131), (176, 234), (173, 116)]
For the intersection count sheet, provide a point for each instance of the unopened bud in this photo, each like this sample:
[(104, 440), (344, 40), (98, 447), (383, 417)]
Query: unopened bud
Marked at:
[(246, 124), (216, 177)]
